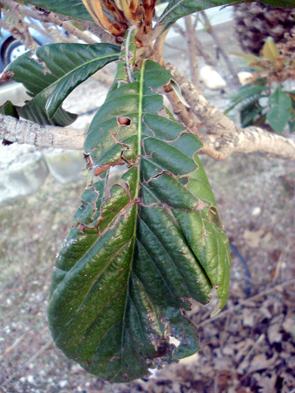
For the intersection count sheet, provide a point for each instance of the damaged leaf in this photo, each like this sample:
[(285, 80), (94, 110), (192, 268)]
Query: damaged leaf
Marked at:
[(139, 250), (75, 9), (64, 67)]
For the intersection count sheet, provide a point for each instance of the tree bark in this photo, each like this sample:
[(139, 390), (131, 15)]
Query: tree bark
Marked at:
[(252, 140), (23, 131), (211, 117), (248, 140), (223, 137)]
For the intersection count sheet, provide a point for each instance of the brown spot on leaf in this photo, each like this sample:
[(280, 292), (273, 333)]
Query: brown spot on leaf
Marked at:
[(105, 167)]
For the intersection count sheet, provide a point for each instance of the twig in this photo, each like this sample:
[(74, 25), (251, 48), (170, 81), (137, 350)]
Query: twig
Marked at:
[(227, 60), (27, 362), (14, 345), (176, 47), (278, 267), (190, 38), (245, 301), (180, 110), (159, 48), (20, 33), (196, 20), (93, 28), (49, 17), (198, 44)]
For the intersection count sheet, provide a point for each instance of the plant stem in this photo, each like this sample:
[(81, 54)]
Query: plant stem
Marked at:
[(198, 45), (192, 55), (227, 60)]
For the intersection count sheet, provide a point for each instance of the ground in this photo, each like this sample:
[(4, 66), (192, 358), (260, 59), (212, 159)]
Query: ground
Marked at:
[(249, 347)]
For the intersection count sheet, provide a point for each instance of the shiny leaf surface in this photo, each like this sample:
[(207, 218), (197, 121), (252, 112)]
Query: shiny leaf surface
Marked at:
[(72, 8), (141, 248), (68, 65)]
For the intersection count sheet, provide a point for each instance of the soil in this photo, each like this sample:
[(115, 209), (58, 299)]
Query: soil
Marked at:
[(248, 347)]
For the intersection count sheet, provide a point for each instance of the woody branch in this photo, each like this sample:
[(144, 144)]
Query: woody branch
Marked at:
[(223, 137), (248, 140)]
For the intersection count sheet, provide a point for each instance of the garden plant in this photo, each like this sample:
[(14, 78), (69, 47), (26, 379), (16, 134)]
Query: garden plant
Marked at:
[(143, 248)]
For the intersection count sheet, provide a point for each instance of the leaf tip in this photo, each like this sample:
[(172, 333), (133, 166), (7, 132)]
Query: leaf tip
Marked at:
[(217, 309)]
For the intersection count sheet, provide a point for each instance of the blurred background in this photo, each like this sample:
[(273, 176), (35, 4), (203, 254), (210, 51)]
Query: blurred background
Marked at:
[(250, 346)]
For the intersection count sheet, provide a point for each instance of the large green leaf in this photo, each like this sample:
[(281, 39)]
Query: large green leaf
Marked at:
[(178, 8), (280, 110), (72, 8), (68, 65), (140, 249)]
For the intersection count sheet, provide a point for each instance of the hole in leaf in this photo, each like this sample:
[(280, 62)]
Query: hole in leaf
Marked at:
[(124, 121)]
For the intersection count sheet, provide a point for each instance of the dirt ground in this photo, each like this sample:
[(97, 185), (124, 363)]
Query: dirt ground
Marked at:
[(248, 347)]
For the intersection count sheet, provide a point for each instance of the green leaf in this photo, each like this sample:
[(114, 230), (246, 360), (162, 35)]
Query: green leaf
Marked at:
[(291, 121), (178, 8), (292, 124), (140, 249), (9, 109), (68, 65), (250, 113), (72, 8), (246, 93), (250, 58), (280, 111), (77, 63)]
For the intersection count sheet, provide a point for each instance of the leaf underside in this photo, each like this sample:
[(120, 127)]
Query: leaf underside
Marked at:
[(177, 9), (140, 249), (68, 65)]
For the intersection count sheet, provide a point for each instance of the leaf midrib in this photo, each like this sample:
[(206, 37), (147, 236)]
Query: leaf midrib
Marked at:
[(140, 111)]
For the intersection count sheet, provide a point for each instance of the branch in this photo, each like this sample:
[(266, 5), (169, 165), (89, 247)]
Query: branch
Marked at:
[(253, 140), (69, 27), (222, 140), (193, 63), (248, 140), (227, 60), (197, 43), (48, 17), (23, 131), (211, 117), (21, 32), (223, 137), (103, 35)]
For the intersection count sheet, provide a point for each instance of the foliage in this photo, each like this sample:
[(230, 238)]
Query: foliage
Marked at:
[(69, 65), (133, 258), (266, 99), (75, 10), (142, 249)]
